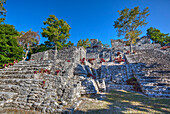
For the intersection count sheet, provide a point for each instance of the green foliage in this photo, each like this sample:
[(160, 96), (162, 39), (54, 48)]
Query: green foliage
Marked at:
[(84, 43), (106, 45), (28, 40), (57, 31), (42, 47), (129, 21), (9, 48), (157, 36), (2, 11)]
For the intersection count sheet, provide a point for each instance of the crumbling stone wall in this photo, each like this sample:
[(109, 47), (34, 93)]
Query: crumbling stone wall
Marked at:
[(147, 46), (46, 55), (95, 42), (73, 54), (114, 73), (143, 40), (151, 68), (117, 43), (42, 92)]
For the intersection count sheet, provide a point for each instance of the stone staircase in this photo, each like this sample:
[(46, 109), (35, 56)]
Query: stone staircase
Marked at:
[(158, 86), (17, 81), (151, 68), (20, 87), (89, 85)]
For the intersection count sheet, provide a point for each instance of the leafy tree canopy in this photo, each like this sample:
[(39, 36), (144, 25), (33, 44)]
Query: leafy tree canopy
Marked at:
[(106, 45), (57, 31), (9, 48), (157, 37), (40, 48), (28, 40), (84, 43), (129, 22), (2, 11)]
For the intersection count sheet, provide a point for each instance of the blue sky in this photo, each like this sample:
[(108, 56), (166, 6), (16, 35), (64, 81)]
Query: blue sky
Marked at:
[(91, 19)]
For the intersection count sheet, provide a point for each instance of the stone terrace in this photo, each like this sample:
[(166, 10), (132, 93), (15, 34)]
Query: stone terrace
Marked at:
[(152, 69), (21, 88)]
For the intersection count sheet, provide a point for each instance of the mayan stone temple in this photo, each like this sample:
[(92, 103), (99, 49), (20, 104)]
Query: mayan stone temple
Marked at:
[(78, 71)]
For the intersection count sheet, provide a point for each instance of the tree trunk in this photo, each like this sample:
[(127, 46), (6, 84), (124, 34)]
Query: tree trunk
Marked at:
[(55, 58), (131, 50), (55, 53), (26, 55)]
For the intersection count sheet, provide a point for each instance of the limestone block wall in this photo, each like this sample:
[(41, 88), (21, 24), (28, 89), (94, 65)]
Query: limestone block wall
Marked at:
[(143, 40), (147, 46), (46, 55), (73, 54), (114, 73), (47, 93), (82, 52), (117, 43), (106, 54), (92, 55)]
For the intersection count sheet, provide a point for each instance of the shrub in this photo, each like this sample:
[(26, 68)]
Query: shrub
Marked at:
[(118, 53), (90, 75), (82, 61), (35, 72), (164, 47), (102, 60), (57, 72), (45, 70), (42, 71), (119, 59), (134, 52), (127, 52), (95, 46), (68, 61), (5, 65), (133, 81), (91, 59), (43, 83)]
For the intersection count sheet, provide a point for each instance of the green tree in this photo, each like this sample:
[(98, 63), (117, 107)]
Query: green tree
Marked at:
[(9, 48), (129, 22), (84, 43), (57, 31), (2, 11), (106, 45), (28, 40), (157, 37)]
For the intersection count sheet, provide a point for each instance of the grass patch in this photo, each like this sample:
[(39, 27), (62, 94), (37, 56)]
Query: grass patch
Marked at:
[(120, 101), (17, 111)]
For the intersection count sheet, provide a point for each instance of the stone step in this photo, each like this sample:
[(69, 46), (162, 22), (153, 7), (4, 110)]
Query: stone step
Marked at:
[(155, 80), (20, 82), (153, 77), (17, 76), (23, 68), (156, 91), (33, 62), (160, 74), (154, 84), (156, 87), (28, 76), (31, 65), (158, 95), (10, 94), (10, 88), (17, 72), (20, 105), (6, 97), (23, 89)]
